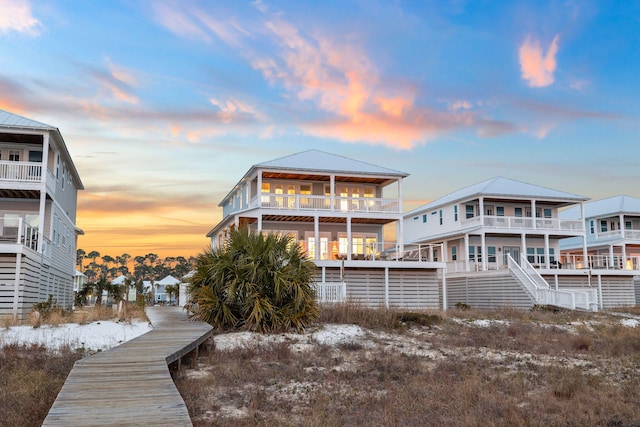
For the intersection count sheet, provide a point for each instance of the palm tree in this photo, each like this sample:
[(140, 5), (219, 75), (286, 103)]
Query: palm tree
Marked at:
[(172, 290), (258, 282)]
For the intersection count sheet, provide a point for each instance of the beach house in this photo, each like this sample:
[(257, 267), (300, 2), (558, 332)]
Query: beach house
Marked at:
[(501, 242), (342, 212), (38, 196)]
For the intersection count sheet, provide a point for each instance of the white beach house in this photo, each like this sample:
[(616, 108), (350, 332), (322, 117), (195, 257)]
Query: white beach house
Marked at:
[(501, 242), (38, 196), (340, 211)]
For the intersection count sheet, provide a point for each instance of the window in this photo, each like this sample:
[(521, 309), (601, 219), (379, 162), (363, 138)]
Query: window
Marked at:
[(517, 212), (35, 156), (547, 212), (266, 188), (305, 202), (627, 225), (489, 210), (58, 167), (424, 217), (491, 253), (538, 213), (440, 214), (527, 212), (454, 253), (603, 226), (531, 255), (469, 211), (415, 218), (472, 253), (500, 210), (592, 227), (455, 212), (14, 155), (613, 226)]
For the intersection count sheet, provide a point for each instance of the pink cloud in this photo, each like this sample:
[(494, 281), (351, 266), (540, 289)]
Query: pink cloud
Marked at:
[(538, 67), (16, 16)]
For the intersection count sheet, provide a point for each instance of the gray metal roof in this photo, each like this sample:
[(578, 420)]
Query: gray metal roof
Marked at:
[(605, 207), (13, 120), (319, 161), (502, 187)]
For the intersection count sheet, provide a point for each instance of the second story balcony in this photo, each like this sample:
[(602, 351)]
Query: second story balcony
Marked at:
[(524, 223), (619, 234), (305, 202), (20, 171)]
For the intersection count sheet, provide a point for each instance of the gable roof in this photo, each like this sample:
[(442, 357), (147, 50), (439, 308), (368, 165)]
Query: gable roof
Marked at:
[(502, 187), (169, 280), (605, 207), (8, 119), (319, 161)]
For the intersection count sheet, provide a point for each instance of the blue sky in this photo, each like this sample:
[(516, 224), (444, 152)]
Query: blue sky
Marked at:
[(164, 105)]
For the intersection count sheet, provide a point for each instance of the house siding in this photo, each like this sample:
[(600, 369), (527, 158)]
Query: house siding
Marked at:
[(408, 288), (487, 290)]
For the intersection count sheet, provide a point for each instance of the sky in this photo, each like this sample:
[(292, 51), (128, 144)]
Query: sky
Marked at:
[(164, 105)]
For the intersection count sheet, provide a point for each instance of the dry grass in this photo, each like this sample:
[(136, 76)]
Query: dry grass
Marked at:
[(31, 376), (519, 368), (30, 379), (84, 315)]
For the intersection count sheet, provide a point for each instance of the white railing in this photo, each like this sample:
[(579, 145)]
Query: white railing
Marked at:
[(600, 262), (303, 202), (20, 171), (533, 273), (621, 234), (539, 289), (15, 230), (331, 292), (528, 223)]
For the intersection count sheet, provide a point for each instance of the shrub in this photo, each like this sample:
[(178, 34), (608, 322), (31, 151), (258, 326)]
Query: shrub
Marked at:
[(261, 283)]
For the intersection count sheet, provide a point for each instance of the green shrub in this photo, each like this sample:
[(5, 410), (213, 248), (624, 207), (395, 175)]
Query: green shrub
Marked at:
[(257, 282)]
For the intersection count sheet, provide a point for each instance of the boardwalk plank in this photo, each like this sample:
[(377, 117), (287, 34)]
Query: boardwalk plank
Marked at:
[(131, 384)]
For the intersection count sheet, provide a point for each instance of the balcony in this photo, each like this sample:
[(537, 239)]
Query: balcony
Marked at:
[(619, 234), (600, 262), (372, 251), (20, 171), (520, 223), (15, 231), (304, 202)]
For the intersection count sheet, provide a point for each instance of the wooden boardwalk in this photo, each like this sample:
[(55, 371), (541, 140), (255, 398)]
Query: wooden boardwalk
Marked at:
[(131, 384)]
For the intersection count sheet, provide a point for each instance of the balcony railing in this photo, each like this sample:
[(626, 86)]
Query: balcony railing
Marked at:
[(14, 230), (619, 234), (524, 223), (600, 262), (303, 202), (20, 171), (372, 251)]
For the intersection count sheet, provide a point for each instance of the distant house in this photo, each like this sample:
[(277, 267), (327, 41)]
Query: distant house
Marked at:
[(160, 289), (613, 234), (339, 210), (38, 198), (501, 242)]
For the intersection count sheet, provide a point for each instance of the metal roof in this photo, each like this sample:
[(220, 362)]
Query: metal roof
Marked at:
[(319, 161), (606, 207), (502, 187), (13, 120)]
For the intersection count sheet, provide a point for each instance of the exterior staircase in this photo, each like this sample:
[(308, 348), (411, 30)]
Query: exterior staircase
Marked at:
[(543, 294)]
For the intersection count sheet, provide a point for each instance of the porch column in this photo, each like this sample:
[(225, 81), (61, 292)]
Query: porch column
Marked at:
[(624, 256), (349, 242), (399, 237), (547, 261), (466, 250), (332, 190), (584, 236), (386, 287), (316, 235), (483, 244), (621, 220), (533, 214), (260, 224), (399, 196), (481, 207), (259, 190), (16, 286), (445, 251), (43, 192), (523, 246), (611, 256)]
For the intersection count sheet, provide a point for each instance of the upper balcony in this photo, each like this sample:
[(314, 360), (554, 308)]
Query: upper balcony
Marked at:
[(618, 234), (307, 202), (20, 171), (524, 223)]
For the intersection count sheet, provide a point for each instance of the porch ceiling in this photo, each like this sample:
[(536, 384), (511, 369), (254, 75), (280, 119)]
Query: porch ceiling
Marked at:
[(326, 178), (325, 219), (7, 193), (20, 138)]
